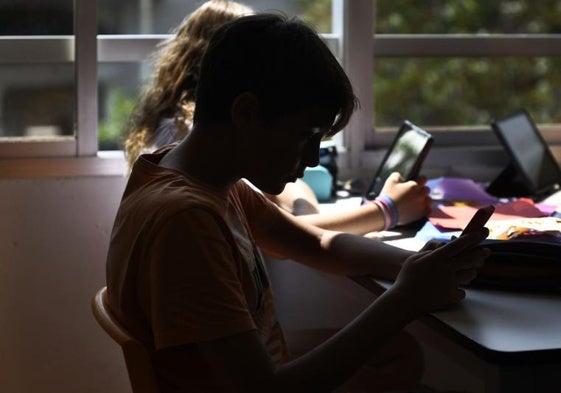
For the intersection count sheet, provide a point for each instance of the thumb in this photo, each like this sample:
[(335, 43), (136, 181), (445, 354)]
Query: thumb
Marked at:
[(395, 177)]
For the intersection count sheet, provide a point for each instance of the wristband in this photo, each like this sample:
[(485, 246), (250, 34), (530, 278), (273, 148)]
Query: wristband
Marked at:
[(393, 208), (388, 215), (385, 210), (388, 209)]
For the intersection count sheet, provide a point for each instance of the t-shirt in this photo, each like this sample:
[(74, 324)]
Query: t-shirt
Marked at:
[(183, 266)]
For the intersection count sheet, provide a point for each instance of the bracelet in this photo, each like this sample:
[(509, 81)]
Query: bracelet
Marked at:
[(388, 209), (385, 215), (393, 207)]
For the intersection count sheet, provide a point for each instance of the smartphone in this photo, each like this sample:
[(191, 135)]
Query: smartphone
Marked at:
[(479, 219)]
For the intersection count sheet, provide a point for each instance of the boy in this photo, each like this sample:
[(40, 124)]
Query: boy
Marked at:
[(184, 271)]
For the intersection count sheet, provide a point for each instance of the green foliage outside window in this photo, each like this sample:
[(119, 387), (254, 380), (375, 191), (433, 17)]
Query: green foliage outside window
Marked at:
[(465, 91), (111, 128), (317, 13), (462, 91), (468, 16)]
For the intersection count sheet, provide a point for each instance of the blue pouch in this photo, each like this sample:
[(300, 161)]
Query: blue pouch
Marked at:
[(320, 181)]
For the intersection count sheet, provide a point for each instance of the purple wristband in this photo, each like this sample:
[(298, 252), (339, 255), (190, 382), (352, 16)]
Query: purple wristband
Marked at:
[(385, 212), (393, 208)]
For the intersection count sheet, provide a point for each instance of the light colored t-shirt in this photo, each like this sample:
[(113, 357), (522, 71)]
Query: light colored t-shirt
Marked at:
[(183, 266)]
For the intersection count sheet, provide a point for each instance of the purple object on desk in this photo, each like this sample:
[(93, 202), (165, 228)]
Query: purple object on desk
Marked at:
[(459, 189), (546, 209)]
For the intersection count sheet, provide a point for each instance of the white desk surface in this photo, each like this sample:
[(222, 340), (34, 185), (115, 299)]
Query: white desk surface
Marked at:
[(507, 321), (504, 321), (501, 324)]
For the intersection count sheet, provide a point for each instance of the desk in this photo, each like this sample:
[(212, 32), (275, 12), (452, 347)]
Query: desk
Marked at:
[(504, 341), (510, 341)]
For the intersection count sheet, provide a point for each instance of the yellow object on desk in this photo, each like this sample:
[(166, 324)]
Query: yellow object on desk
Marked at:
[(510, 229)]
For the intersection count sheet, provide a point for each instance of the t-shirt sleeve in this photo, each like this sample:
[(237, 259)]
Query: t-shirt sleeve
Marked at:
[(195, 292), (260, 212)]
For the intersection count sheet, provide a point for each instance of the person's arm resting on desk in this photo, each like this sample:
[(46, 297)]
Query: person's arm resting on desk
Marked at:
[(333, 252), (411, 199)]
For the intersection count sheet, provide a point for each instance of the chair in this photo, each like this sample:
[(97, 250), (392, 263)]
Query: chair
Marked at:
[(139, 366)]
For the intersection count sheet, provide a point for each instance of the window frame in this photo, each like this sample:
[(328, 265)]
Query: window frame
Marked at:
[(79, 49)]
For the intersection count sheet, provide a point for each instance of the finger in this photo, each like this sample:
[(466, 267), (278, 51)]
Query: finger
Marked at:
[(428, 208), (464, 277), (462, 243), (458, 294), (432, 245), (438, 244), (420, 191), (473, 259), (422, 180), (413, 187), (396, 177), (422, 253)]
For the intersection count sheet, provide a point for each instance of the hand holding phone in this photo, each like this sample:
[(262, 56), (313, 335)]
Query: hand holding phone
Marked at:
[(479, 219)]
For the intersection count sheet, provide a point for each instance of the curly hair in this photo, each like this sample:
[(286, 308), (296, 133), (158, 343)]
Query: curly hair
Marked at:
[(171, 91)]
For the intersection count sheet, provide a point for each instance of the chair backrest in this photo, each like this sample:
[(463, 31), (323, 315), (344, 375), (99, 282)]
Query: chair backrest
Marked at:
[(137, 359)]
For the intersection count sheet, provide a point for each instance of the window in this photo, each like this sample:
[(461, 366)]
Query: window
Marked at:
[(71, 65), (72, 70), (454, 66)]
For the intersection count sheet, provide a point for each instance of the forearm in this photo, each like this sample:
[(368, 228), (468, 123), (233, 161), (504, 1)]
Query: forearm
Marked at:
[(330, 364), (333, 252), (358, 220), (351, 255)]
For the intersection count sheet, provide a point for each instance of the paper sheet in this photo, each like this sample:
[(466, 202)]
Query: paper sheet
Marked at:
[(457, 217), (459, 189)]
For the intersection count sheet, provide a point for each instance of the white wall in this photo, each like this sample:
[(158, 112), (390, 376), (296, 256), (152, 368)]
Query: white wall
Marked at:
[(53, 240)]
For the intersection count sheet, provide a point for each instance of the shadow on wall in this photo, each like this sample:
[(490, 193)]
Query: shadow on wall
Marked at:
[(54, 238)]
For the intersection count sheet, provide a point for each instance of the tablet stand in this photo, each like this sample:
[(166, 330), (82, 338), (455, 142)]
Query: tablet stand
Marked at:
[(509, 183)]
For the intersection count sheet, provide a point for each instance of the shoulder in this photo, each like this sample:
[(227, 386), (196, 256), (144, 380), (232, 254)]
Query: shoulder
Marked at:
[(252, 198), (151, 183), (259, 211), (191, 224), (156, 197)]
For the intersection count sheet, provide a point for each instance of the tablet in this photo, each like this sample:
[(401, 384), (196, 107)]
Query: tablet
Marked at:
[(406, 155), (529, 153)]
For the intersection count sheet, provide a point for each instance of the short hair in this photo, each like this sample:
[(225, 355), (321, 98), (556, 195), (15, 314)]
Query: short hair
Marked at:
[(282, 61)]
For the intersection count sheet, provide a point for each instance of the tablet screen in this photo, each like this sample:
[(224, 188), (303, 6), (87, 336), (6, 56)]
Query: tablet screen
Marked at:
[(528, 151), (405, 156)]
